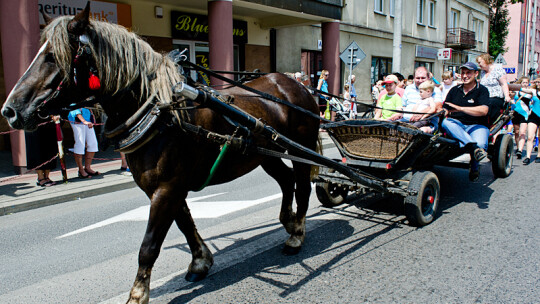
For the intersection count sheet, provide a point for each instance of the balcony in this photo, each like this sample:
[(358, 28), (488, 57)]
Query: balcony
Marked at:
[(459, 38)]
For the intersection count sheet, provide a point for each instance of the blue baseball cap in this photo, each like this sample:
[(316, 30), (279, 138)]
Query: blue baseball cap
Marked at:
[(469, 66)]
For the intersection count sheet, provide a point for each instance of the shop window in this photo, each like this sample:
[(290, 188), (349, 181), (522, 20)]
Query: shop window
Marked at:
[(380, 66), (427, 65), (311, 66), (197, 52)]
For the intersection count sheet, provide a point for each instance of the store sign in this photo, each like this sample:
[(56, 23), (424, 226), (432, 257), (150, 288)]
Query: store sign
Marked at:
[(510, 70), (188, 26), (444, 54), (117, 13), (426, 52)]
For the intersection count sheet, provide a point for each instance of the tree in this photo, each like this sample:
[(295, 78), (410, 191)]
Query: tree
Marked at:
[(498, 25)]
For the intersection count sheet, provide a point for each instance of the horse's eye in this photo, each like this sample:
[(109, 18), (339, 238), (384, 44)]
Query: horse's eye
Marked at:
[(49, 58)]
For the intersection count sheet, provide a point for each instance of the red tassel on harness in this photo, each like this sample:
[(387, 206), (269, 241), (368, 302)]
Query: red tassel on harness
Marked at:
[(93, 82)]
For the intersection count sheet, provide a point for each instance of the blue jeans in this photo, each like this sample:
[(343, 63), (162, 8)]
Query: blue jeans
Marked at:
[(466, 133)]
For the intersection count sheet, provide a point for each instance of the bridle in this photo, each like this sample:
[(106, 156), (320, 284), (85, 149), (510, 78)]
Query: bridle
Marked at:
[(82, 55)]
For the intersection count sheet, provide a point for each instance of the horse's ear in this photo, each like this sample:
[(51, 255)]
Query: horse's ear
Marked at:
[(46, 17), (80, 22)]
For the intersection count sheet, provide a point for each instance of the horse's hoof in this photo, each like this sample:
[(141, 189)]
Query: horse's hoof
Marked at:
[(288, 250), (195, 277)]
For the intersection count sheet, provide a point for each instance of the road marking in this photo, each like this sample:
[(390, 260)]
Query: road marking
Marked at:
[(226, 259), (199, 210)]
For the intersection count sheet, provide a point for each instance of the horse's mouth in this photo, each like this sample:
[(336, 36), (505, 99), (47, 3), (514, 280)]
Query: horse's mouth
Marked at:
[(23, 120)]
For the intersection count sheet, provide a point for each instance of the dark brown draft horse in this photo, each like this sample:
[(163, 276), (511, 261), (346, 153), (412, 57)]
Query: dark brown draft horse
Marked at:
[(174, 161)]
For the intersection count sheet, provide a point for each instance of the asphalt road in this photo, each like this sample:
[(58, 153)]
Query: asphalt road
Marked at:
[(484, 247)]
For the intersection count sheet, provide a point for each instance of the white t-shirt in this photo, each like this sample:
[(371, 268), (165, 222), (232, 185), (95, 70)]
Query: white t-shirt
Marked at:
[(445, 88)]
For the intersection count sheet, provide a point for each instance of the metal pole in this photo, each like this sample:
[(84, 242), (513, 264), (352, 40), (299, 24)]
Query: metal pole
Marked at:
[(532, 62), (59, 139), (397, 37)]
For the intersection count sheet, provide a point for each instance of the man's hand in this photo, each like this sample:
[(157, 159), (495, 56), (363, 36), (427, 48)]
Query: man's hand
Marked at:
[(455, 108)]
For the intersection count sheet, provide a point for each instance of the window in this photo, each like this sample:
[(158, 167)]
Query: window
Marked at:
[(480, 31), (379, 67), (474, 25), (392, 7), (431, 14), (420, 11), (454, 20), (379, 4)]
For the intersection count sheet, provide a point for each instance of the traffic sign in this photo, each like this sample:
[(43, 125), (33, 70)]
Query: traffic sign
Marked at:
[(510, 70), (500, 60), (352, 55), (444, 54)]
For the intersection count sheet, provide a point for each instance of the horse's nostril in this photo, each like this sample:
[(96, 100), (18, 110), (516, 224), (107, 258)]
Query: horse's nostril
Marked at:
[(8, 112)]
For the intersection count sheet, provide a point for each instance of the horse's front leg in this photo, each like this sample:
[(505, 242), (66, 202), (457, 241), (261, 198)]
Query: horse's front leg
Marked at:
[(202, 258), (298, 222), (162, 210)]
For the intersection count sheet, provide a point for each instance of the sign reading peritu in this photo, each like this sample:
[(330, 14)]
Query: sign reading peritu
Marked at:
[(190, 26)]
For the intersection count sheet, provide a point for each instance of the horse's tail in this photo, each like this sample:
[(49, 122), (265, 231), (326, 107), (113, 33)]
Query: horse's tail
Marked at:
[(319, 149)]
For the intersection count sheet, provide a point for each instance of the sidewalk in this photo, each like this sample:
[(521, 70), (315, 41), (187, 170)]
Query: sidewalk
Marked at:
[(20, 193)]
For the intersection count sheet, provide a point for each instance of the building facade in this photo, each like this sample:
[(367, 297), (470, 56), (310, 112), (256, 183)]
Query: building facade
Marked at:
[(523, 36), (284, 36)]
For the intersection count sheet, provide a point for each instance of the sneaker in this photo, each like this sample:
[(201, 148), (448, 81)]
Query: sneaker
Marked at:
[(127, 172), (537, 160), (479, 154), (526, 161), (518, 154)]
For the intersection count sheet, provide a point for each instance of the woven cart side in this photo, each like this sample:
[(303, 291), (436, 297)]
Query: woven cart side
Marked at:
[(372, 142)]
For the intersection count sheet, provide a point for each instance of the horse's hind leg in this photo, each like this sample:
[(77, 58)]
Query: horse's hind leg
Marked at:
[(285, 177), (202, 258), (162, 210), (302, 192)]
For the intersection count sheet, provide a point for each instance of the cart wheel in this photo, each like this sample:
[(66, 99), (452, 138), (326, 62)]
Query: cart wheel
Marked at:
[(501, 162), (331, 194), (420, 209)]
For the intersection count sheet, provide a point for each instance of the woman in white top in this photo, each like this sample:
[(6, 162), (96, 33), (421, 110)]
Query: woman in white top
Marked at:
[(494, 79)]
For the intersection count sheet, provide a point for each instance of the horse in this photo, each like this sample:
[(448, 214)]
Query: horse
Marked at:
[(76, 51)]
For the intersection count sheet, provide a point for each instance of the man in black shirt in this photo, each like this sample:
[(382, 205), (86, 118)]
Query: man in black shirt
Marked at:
[(467, 107)]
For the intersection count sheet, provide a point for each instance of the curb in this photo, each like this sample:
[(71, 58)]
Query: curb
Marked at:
[(33, 203)]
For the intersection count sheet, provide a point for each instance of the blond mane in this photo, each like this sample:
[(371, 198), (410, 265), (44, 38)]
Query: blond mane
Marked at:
[(121, 58)]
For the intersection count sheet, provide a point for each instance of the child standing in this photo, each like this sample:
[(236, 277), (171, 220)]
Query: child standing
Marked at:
[(389, 101)]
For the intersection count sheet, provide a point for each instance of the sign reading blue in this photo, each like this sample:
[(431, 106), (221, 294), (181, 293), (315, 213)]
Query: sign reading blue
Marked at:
[(195, 27), (510, 70)]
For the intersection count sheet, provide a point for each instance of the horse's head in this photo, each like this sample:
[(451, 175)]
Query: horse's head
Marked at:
[(57, 77)]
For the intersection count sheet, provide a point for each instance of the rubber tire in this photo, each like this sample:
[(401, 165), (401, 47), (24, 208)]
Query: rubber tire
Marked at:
[(502, 160), (330, 194), (418, 210)]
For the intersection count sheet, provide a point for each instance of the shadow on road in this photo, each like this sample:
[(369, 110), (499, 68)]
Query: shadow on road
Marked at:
[(264, 265)]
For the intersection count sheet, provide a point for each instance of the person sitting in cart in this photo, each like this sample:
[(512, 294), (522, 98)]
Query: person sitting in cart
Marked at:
[(467, 107), (425, 105), (389, 101), (411, 96)]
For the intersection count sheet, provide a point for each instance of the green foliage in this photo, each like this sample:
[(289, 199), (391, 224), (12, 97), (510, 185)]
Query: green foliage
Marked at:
[(498, 24)]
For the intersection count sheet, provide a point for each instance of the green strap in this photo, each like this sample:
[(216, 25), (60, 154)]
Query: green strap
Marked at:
[(215, 166)]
